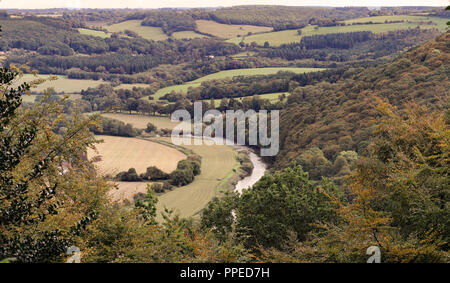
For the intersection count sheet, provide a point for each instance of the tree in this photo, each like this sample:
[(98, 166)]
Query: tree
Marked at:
[(153, 173), (40, 171), (181, 177), (280, 204), (150, 128), (147, 206), (399, 193), (129, 176)]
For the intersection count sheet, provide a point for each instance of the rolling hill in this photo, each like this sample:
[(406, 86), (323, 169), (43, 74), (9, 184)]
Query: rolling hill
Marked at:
[(338, 117)]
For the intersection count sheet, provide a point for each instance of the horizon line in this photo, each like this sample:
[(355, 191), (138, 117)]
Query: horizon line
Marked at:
[(212, 7)]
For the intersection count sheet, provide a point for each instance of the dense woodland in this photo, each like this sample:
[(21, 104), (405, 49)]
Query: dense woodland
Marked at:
[(282, 18), (348, 47), (339, 116)]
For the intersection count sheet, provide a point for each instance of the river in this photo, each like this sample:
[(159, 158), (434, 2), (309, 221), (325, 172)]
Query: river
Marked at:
[(259, 169)]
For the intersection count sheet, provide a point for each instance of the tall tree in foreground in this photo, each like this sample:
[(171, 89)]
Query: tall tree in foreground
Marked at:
[(47, 190)]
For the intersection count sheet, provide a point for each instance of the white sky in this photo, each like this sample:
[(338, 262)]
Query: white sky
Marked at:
[(36, 4)]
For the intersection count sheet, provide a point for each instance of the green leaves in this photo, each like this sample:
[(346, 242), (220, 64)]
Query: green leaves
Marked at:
[(147, 206), (278, 205)]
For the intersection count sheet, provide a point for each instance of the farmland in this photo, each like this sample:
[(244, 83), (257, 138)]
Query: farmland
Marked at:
[(187, 35), (130, 86), (31, 98), (288, 36), (92, 32), (141, 121), (218, 162), (120, 154), (440, 22), (125, 191), (228, 74), (61, 85), (150, 33), (218, 166), (272, 97), (228, 31), (342, 145)]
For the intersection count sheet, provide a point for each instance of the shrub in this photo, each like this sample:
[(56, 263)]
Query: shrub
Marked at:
[(167, 186), (129, 176), (181, 177), (198, 158), (150, 128), (158, 188), (190, 165), (153, 173)]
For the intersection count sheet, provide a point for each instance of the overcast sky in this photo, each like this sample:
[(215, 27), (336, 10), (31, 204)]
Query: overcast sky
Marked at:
[(36, 4)]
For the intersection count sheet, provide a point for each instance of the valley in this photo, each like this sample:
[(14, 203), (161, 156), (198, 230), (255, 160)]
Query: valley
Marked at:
[(355, 101)]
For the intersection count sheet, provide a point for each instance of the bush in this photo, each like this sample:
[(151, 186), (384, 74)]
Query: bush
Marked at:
[(158, 188), (139, 197), (186, 171), (198, 158), (193, 166), (150, 128), (181, 177), (167, 186), (115, 127), (153, 173), (129, 176)]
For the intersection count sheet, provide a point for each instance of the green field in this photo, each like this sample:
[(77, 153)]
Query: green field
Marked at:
[(218, 162), (228, 74), (187, 35), (228, 31), (92, 32), (441, 23), (273, 97), (150, 33), (244, 54), (177, 88), (61, 85), (289, 36)]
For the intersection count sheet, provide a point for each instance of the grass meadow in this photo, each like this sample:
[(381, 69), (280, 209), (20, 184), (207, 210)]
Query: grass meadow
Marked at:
[(92, 32), (150, 33), (218, 163), (273, 97), (187, 35), (228, 31), (228, 74), (288, 36)]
